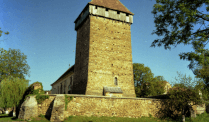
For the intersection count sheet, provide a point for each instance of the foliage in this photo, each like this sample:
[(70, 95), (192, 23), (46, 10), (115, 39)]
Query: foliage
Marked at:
[(12, 90), (142, 76), (187, 84), (203, 70), (2, 32), (41, 98), (67, 100), (157, 87), (42, 116), (30, 92), (181, 16), (13, 62), (185, 81), (182, 93), (204, 89), (145, 82)]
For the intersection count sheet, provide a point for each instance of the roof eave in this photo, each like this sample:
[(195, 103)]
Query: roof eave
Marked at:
[(62, 75)]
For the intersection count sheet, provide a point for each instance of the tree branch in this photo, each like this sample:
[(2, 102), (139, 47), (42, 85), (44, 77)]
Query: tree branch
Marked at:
[(200, 31), (201, 16)]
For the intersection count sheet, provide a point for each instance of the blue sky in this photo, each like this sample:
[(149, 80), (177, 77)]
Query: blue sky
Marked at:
[(44, 31)]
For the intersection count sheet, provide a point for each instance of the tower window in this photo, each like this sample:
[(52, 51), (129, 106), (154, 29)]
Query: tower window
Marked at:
[(116, 82), (118, 12), (107, 9), (96, 7), (126, 14)]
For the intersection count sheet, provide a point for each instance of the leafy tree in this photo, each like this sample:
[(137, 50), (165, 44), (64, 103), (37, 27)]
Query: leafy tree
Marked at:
[(142, 75), (184, 81), (12, 90), (181, 16), (13, 63), (157, 86), (145, 82), (182, 93), (160, 78), (203, 70)]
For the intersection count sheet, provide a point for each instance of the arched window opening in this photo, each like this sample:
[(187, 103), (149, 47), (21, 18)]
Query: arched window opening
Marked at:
[(116, 82)]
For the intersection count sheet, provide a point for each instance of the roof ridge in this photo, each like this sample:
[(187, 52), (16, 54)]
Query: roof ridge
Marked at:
[(112, 4), (124, 6)]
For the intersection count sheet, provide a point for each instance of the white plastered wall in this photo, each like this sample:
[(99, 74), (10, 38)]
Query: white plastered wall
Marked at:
[(62, 80)]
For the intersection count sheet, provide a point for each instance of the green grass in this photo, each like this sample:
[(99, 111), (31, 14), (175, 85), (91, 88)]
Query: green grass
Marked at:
[(200, 118)]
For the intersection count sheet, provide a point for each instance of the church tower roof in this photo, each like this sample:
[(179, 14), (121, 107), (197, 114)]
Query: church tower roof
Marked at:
[(111, 4), (111, 9)]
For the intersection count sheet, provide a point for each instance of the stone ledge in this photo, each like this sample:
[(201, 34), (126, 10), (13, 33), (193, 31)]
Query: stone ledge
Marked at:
[(77, 95)]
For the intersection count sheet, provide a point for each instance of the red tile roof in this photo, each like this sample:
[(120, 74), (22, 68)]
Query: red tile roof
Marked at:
[(111, 4)]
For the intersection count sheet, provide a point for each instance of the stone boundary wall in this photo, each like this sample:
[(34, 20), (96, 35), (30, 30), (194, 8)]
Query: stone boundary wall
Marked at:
[(90, 105)]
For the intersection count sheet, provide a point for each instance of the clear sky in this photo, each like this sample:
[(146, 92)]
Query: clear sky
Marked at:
[(44, 31)]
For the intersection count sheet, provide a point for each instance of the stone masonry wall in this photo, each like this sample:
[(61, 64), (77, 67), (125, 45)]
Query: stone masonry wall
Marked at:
[(119, 107), (57, 113), (81, 59), (46, 106), (110, 56), (88, 105)]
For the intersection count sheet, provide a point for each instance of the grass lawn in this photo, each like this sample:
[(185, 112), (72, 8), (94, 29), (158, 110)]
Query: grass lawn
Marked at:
[(200, 118)]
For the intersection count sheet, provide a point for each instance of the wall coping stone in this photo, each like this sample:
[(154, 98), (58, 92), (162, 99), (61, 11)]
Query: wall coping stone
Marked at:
[(76, 95)]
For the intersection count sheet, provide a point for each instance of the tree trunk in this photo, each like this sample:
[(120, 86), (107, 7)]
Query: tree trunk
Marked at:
[(5, 109), (14, 111), (183, 116)]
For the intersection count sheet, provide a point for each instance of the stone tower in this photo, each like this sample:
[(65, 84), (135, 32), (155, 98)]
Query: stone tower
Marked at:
[(103, 49)]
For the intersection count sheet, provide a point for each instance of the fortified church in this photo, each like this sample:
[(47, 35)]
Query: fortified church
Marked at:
[(103, 61)]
